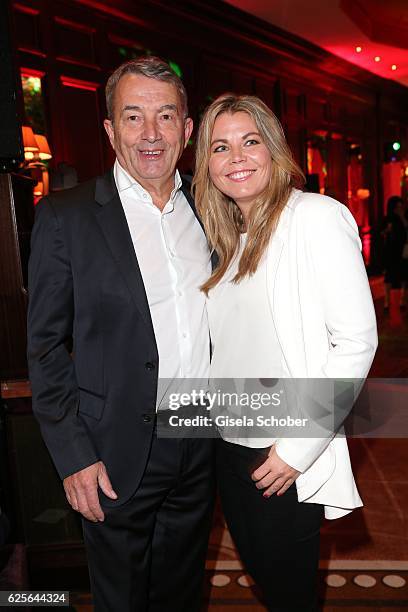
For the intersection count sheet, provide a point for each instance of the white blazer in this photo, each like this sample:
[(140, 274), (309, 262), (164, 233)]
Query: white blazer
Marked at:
[(324, 316)]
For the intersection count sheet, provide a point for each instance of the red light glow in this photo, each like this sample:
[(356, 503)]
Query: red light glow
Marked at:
[(30, 72), (78, 84)]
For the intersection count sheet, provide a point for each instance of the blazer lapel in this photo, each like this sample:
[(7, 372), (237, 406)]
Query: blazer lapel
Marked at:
[(112, 221), (274, 254), (275, 248), (283, 294)]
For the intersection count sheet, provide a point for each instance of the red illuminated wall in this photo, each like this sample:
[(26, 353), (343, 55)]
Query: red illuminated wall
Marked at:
[(77, 43)]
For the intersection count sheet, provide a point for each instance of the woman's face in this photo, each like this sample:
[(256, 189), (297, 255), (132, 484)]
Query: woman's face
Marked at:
[(240, 163)]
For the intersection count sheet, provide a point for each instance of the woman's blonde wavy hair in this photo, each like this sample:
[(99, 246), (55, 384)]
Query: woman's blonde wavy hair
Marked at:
[(222, 219)]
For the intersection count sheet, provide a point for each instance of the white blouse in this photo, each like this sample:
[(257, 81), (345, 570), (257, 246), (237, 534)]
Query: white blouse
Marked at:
[(245, 346)]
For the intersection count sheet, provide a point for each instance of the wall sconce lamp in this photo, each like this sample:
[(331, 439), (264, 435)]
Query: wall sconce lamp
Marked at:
[(36, 152), (43, 146), (30, 143)]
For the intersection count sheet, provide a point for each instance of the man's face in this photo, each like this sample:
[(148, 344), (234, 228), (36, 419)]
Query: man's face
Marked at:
[(148, 131)]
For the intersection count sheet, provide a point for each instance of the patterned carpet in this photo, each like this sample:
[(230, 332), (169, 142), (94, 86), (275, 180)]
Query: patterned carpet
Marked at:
[(341, 590)]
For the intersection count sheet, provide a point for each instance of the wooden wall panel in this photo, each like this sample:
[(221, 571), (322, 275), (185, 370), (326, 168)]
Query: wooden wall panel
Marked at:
[(336, 112), (293, 119), (337, 167), (267, 91), (27, 28), (355, 119), (74, 41), (120, 48), (215, 79), (16, 219), (82, 132), (316, 112), (293, 104), (242, 83)]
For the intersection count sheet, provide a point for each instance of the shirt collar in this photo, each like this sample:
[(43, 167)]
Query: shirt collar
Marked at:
[(125, 181)]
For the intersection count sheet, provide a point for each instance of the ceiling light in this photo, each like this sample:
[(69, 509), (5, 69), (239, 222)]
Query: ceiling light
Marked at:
[(359, 49), (377, 58), (394, 67)]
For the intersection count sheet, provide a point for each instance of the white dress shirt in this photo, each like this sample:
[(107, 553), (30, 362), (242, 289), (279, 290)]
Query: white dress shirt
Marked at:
[(174, 261)]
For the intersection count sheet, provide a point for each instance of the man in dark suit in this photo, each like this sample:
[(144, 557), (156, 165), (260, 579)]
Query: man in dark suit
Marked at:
[(115, 309)]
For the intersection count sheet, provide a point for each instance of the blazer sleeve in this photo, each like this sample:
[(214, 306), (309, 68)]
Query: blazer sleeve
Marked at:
[(345, 294), (50, 328), (334, 248)]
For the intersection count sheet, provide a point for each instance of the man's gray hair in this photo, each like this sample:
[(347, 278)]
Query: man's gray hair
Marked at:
[(150, 67)]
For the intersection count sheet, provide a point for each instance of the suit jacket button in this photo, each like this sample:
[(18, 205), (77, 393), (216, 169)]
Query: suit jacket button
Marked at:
[(150, 366), (147, 418)]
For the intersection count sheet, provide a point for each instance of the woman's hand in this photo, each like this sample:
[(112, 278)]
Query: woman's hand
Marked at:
[(274, 475)]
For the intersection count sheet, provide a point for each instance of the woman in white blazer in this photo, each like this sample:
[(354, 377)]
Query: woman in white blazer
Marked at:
[(289, 298)]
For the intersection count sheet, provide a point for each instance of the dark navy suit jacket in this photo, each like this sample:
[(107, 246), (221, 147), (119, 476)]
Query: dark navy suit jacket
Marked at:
[(92, 352)]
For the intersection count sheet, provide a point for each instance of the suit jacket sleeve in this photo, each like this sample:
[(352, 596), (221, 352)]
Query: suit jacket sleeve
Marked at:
[(50, 329), (335, 249)]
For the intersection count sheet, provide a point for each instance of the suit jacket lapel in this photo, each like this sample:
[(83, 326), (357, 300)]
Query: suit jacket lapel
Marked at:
[(186, 189), (112, 221)]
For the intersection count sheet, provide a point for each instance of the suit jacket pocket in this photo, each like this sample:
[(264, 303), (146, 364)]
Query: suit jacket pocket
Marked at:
[(90, 404)]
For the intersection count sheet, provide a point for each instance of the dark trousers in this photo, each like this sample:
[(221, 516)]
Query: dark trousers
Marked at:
[(149, 553), (277, 538)]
